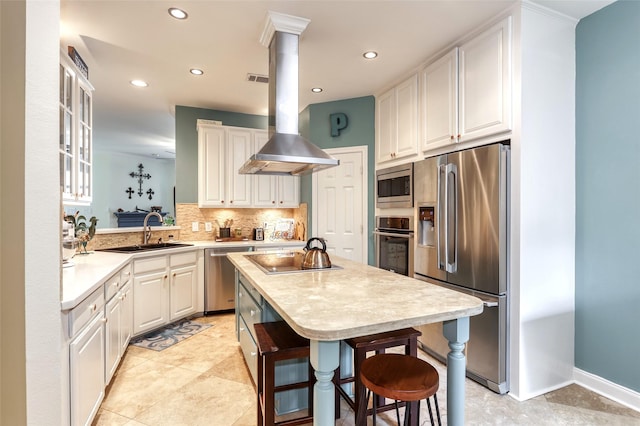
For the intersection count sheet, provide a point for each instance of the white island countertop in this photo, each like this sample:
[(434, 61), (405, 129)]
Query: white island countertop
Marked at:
[(332, 305), (354, 301)]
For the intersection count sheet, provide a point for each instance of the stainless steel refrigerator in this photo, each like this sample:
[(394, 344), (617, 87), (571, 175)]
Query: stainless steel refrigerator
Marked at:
[(461, 204)]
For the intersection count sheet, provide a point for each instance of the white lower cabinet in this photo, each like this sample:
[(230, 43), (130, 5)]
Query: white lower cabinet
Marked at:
[(86, 369), (117, 329), (164, 289)]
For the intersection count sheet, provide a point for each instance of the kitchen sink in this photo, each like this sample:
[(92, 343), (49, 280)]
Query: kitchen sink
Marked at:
[(144, 247)]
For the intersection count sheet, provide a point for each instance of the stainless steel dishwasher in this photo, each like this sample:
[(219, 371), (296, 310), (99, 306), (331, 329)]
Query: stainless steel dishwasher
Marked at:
[(219, 278)]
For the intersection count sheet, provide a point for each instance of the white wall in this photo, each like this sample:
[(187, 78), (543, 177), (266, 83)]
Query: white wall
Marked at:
[(32, 341), (543, 203)]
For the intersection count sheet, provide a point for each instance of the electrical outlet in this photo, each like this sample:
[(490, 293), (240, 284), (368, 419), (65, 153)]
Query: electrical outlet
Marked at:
[(194, 226), (265, 225), (208, 227)]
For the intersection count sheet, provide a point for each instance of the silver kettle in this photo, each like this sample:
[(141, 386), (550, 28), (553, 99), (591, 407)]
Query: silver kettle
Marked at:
[(314, 257)]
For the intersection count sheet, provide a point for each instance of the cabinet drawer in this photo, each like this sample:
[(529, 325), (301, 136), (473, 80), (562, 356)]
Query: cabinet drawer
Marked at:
[(249, 349), (125, 274), (183, 258), (150, 264), (111, 287), (87, 309), (250, 289), (249, 309)]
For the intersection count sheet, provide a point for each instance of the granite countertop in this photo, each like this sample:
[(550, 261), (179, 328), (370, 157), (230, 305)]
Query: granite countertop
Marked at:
[(90, 271), (354, 301)]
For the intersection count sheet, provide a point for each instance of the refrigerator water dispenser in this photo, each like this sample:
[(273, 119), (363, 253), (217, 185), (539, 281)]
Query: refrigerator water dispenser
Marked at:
[(426, 226)]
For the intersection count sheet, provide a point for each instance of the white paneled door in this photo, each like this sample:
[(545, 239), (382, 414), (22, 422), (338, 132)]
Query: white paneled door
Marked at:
[(339, 204)]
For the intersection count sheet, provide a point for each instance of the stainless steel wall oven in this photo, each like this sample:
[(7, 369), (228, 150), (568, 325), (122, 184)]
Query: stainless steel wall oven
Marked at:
[(394, 244)]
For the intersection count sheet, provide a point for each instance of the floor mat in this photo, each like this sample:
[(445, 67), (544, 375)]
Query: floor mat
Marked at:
[(168, 336)]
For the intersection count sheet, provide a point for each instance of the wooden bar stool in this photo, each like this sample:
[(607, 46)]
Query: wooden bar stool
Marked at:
[(378, 343), (276, 341), (401, 378)]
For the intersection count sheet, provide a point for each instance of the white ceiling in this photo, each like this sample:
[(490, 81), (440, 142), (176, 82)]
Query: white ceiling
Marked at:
[(127, 39)]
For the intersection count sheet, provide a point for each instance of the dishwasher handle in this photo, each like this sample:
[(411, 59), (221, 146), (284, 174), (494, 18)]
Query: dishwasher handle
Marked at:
[(225, 251)]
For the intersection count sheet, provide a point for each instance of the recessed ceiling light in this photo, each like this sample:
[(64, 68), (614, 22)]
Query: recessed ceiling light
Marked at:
[(178, 13), (196, 71), (370, 54), (139, 83), (316, 89)]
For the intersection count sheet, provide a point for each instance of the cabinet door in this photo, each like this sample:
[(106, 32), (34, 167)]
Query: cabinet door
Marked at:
[(386, 133), (211, 166), (86, 370), (440, 102), (265, 187), (288, 191), (407, 117), (239, 149), (184, 281), (485, 83), (126, 317), (84, 144), (67, 132), (113, 352), (150, 296)]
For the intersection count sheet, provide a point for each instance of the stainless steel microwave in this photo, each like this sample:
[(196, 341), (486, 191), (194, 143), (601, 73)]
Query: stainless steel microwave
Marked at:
[(394, 186)]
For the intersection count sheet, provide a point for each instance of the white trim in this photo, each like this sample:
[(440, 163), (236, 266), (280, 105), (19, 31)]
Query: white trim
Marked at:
[(606, 388), (363, 150), (283, 23)]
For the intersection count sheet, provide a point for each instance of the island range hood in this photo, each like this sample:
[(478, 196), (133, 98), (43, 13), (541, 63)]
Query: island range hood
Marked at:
[(286, 152)]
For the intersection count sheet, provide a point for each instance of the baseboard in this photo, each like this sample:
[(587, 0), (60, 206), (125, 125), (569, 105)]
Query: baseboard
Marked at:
[(604, 387)]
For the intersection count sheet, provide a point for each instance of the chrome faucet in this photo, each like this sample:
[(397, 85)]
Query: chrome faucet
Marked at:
[(146, 229)]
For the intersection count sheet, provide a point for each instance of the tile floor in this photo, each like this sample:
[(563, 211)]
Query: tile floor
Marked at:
[(203, 381)]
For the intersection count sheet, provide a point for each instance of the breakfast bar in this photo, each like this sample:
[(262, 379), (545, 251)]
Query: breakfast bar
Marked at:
[(327, 306)]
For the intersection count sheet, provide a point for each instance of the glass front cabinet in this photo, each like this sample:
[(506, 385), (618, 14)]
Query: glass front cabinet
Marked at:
[(76, 134)]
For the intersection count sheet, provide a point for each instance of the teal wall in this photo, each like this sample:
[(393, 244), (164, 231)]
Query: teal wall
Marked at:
[(314, 125), (187, 144), (607, 341)]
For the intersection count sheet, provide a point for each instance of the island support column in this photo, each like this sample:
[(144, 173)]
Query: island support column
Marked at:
[(457, 333), (324, 357)]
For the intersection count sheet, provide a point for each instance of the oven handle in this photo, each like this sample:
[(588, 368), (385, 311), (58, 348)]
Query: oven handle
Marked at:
[(391, 234)]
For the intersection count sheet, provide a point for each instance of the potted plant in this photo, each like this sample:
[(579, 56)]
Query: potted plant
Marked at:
[(84, 232)]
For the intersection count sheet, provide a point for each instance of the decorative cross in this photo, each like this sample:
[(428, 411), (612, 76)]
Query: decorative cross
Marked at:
[(129, 191), (140, 176), (150, 193)]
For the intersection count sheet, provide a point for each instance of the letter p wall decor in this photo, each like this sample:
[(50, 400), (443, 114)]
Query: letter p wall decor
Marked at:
[(338, 122)]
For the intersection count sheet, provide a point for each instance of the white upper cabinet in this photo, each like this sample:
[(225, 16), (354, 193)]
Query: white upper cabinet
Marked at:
[(274, 191), (466, 94), (485, 83), (211, 166), (439, 95), (397, 121), (239, 149), (76, 134)]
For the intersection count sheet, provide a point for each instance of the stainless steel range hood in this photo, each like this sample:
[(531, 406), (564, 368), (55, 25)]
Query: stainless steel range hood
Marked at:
[(286, 152)]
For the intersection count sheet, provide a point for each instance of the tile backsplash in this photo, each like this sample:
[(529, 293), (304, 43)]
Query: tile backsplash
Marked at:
[(243, 219)]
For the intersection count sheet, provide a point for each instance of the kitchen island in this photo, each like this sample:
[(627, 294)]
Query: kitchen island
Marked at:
[(332, 305)]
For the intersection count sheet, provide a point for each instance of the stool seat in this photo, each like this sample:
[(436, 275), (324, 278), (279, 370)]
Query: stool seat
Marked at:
[(399, 377)]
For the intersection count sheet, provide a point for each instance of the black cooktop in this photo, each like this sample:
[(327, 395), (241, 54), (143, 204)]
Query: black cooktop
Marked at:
[(283, 263)]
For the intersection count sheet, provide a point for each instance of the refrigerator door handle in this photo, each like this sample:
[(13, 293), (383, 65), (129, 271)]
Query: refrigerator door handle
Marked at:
[(441, 220), (451, 232), (489, 304)]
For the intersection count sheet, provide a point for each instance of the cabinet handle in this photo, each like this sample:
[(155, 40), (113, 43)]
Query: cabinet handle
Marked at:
[(253, 354), (166, 276), (222, 201), (458, 137), (93, 307), (253, 312), (174, 274), (273, 202), (452, 137), (231, 202), (104, 320)]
